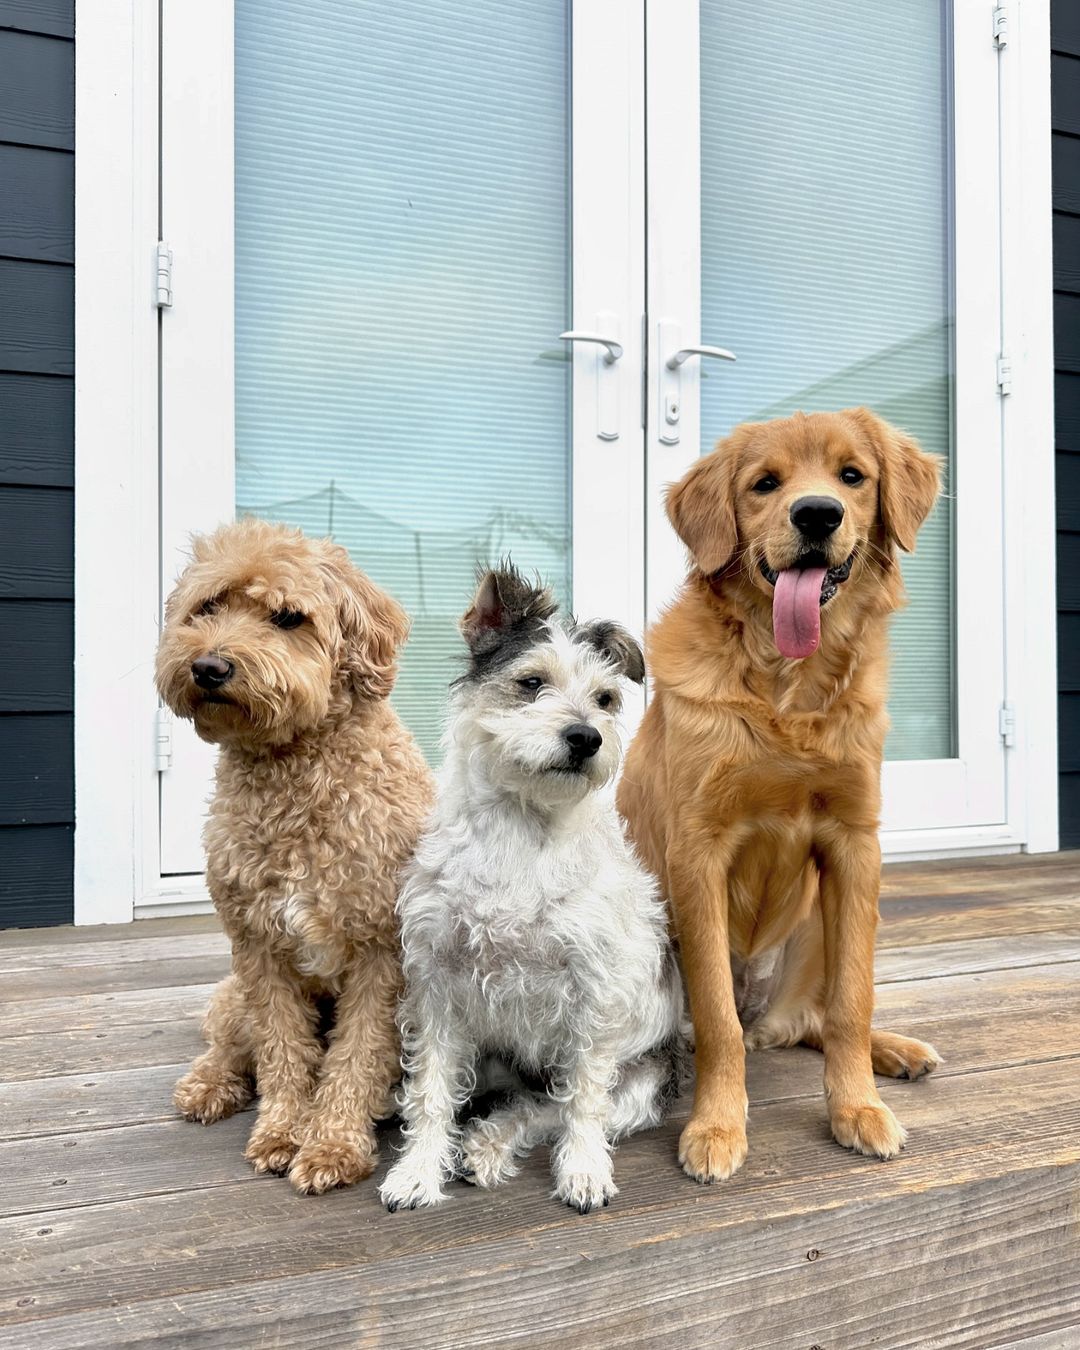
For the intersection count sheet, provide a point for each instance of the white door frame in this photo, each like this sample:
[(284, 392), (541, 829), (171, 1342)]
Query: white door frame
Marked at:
[(117, 540)]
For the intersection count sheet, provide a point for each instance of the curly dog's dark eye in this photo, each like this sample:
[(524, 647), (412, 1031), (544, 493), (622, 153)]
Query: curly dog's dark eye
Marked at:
[(851, 476), (603, 700), (532, 684), (767, 484), (206, 608), (287, 618)]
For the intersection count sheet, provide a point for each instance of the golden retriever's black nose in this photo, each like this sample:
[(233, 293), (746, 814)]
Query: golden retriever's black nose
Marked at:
[(816, 517), (211, 672), (584, 741)]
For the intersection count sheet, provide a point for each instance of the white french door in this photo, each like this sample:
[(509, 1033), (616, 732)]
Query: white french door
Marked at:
[(386, 219), (823, 204)]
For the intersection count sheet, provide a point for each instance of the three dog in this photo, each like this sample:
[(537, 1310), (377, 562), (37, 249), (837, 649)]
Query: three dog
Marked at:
[(535, 950)]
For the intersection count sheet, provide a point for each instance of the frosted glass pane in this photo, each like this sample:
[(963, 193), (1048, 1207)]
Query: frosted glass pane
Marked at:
[(402, 275), (826, 242)]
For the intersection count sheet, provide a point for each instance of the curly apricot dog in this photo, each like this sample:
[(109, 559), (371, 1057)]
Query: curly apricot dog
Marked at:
[(282, 653), (752, 787)]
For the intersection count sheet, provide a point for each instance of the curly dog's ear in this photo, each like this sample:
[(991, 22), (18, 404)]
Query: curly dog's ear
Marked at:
[(373, 627), (616, 645), (701, 506), (910, 479)]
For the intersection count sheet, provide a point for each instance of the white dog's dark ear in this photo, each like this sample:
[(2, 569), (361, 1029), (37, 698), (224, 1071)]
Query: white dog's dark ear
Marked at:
[(616, 645), (505, 605), (373, 627), (910, 478)]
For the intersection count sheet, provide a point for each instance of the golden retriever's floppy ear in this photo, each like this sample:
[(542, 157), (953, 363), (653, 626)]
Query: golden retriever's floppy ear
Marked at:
[(373, 626), (701, 506), (910, 478)]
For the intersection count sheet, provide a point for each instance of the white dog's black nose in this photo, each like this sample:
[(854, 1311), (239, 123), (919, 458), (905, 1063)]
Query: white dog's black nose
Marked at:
[(817, 517), (584, 741), (211, 672)]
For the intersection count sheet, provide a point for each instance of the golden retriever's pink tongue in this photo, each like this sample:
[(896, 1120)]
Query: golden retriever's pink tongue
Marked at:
[(796, 611)]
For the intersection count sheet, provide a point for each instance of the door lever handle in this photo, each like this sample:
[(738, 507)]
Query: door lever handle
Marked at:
[(676, 359), (614, 349)]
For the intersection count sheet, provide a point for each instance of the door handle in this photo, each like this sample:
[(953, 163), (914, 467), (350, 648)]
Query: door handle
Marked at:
[(672, 357), (607, 374), (676, 359)]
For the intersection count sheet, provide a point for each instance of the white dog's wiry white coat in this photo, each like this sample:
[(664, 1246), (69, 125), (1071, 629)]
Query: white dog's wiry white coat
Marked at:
[(532, 936)]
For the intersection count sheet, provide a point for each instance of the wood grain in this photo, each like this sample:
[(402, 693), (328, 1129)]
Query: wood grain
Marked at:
[(37, 413), (37, 90)]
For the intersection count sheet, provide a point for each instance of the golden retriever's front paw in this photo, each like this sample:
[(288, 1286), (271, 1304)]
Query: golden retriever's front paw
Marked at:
[(901, 1056), (323, 1164), (207, 1097), (872, 1130), (710, 1152), (270, 1149)]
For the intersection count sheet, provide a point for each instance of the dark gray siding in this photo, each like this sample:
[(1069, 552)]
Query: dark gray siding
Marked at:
[(37, 340)]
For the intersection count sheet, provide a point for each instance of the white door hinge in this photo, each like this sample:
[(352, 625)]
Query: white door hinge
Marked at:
[(163, 740), (1004, 375), (1007, 724), (163, 297), (1001, 26)]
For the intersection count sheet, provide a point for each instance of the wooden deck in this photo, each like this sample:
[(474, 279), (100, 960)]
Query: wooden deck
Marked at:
[(122, 1225)]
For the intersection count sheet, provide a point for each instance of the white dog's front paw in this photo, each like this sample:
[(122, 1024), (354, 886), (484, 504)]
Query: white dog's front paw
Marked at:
[(487, 1157), (585, 1183), (409, 1187)]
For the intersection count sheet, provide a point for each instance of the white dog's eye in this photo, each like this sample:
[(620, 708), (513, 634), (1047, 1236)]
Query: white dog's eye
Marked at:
[(603, 700), (287, 618), (851, 476), (532, 684)]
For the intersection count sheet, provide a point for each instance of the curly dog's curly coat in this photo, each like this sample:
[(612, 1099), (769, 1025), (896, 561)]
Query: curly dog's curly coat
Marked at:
[(283, 653)]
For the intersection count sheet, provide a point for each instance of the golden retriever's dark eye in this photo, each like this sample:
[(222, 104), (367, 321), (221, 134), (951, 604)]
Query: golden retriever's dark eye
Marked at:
[(767, 484), (851, 476), (532, 684), (287, 618), (603, 700)]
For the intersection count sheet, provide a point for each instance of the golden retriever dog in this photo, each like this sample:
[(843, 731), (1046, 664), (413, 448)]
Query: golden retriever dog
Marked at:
[(283, 654), (753, 785)]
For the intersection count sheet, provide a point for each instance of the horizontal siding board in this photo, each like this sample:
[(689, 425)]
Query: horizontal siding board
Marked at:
[(37, 204), (56, 18), (1065, 27), (1068, 573), (37, 90), (37, 770), (1067, 411), (1069, 800), (37, 317), (1068, 647), (1068, 491), (1066, 172), (1067, 332), (37, 543), (37, 672), (1069, 732), (36, 869), (37, 430), (1066, 253)]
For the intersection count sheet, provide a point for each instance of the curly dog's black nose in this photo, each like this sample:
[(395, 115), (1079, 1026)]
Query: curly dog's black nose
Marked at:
[(211, 672)]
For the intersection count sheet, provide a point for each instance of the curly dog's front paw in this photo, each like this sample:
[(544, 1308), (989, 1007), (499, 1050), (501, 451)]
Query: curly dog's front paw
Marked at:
[(712, 1152), (410, 1187), (206, 1096), (872, 1130), (323, 1164), (270, 1149)]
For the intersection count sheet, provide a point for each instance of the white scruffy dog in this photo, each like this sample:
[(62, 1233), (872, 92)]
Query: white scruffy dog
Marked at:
[(534, 942)]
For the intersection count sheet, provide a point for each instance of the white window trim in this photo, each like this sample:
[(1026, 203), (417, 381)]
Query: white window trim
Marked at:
[(117, 588)]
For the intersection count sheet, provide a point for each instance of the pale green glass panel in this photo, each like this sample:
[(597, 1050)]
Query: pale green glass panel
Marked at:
[(402, 275), (827, 261)]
